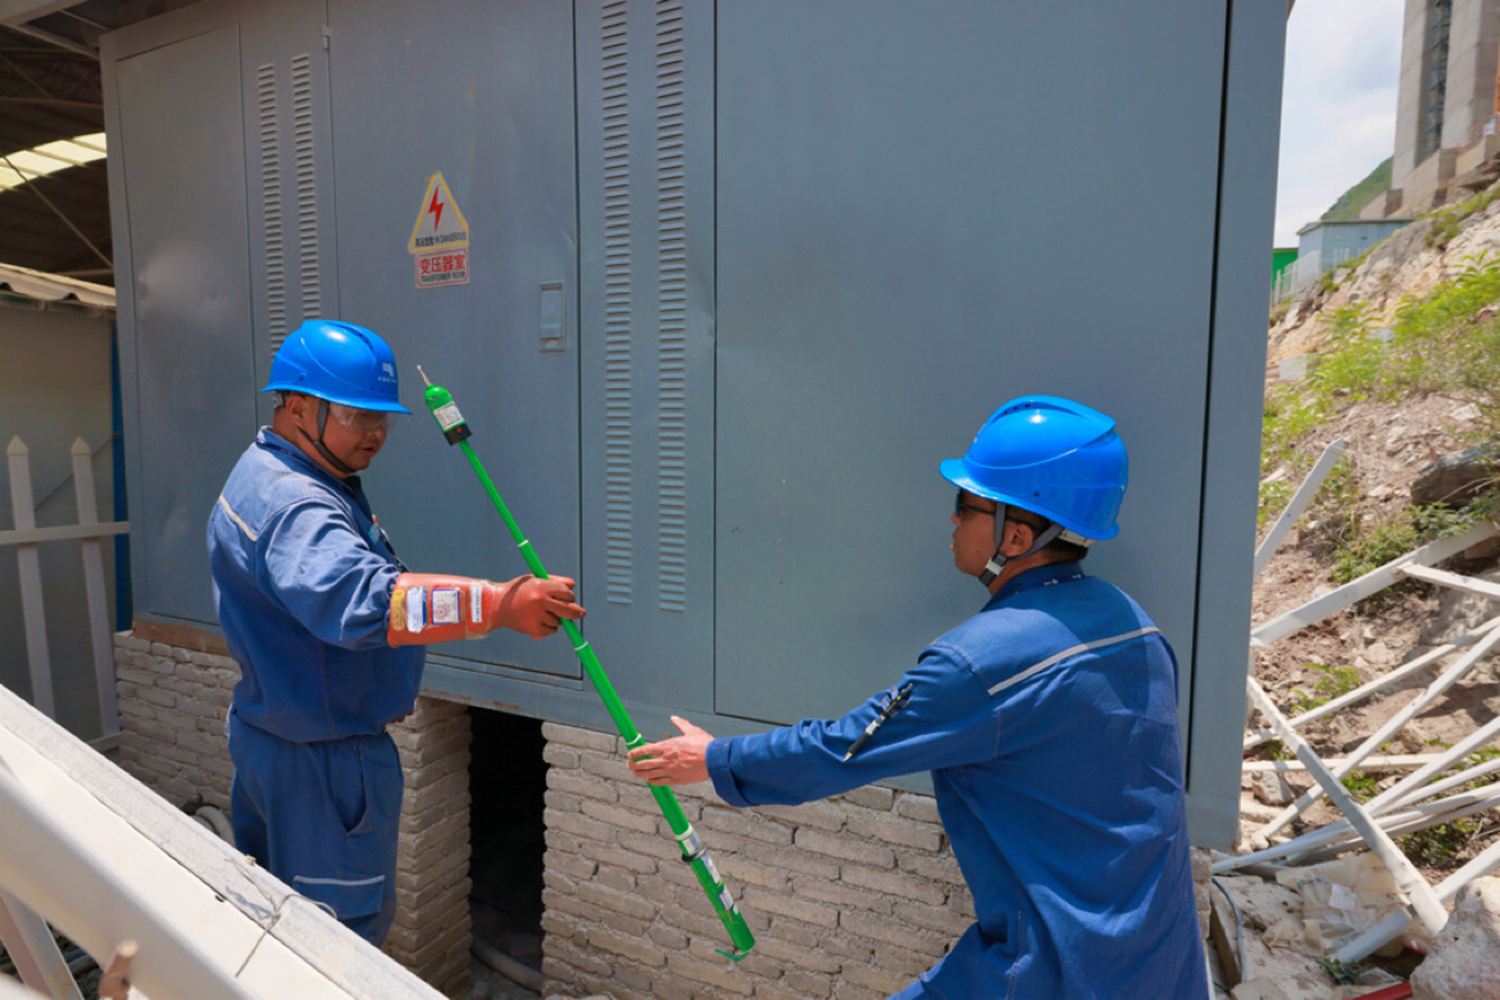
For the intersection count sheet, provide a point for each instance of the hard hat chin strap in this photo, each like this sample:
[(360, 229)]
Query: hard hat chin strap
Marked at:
[(997, 562), (318, 441)]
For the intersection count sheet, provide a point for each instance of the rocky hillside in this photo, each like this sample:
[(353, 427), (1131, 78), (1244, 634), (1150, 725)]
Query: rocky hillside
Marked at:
[(1392, 430)]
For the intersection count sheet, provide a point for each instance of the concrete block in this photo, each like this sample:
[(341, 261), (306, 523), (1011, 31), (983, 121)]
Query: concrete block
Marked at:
[(818, 815), (560, 925), (558, 840), (714, 975), (574, 736), (901, 961), (620, 902), (426, 769), (616, 816), (962, 901), (875, 980), (892, 830), (794, 954), (847, 848), (841, 895), (625, 925), (938, 919), (608, 768), (745, 823), (444, 789), (629, 860), (435, 898), (871, 797), (669, 937), (921, 808), (807, 911), (134, 707), (942, 868), (581, 785), (578, 958), (570, 904), (154, 695), (615, 878), (740, 870), (890, 930), (563, 802), (660, 848), (569, 864), (630, 946), (793, 860), (558, 756)]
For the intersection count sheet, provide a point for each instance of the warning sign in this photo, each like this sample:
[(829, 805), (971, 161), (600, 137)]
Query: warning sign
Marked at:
[(443, 267), (440, 225)]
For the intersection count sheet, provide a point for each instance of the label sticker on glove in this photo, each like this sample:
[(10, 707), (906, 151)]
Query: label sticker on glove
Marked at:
[(445, 606), (476, 603), (416, 608)]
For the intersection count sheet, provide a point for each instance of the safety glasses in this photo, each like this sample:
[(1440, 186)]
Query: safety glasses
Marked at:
[(959, 506), (362, 421)]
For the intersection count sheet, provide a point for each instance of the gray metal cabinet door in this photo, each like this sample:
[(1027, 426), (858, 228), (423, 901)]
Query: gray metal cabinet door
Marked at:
[(184, 330), (925, 189), (483, 93), (646, 133)]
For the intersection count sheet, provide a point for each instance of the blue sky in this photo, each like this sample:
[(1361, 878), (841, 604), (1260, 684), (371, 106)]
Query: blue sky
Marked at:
[(1338, 107)]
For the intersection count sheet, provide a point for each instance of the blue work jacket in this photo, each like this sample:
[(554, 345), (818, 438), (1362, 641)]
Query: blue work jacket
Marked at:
[(1049, 723), (302, 583)]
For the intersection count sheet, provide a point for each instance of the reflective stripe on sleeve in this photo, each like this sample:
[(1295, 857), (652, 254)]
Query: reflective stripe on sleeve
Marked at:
[(237, 519), (1070, 651)]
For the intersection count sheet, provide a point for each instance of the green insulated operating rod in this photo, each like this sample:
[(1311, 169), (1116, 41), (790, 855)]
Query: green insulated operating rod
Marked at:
[(456, 430)]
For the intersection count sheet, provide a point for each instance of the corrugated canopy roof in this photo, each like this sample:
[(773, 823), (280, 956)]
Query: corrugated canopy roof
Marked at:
[(32, 289)]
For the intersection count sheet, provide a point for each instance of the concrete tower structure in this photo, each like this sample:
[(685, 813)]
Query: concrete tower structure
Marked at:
[(1450, 51)]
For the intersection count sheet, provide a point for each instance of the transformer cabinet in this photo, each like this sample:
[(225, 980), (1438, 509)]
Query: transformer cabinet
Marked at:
[(716, 284)]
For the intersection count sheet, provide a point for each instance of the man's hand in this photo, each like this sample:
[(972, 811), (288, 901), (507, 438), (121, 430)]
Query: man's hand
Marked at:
[(680, 760), (535, 607)]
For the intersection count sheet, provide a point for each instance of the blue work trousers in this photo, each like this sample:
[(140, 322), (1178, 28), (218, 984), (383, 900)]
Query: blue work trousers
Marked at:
[(322, 817)]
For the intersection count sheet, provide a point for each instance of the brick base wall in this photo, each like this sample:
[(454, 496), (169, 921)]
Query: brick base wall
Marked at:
[(174, 700), (848, 897), (432, 931)]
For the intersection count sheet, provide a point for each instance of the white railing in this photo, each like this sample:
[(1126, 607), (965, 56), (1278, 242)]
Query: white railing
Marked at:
[(1305, 270), (27, 537)]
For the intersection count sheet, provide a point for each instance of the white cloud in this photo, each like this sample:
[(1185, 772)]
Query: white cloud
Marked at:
[(1338, 109)]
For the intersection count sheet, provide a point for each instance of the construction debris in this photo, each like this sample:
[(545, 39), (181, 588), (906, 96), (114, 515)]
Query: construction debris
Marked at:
[(1313, 898), (1464, 963)]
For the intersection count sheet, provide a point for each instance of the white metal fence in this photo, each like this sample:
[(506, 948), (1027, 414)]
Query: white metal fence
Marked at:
[(26, 537), (1302, 272)]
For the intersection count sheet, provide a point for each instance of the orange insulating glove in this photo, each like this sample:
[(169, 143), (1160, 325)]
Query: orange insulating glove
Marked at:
[(434, 607)]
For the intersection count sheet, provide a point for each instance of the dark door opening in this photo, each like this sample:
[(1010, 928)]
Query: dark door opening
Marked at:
[(507, 783)]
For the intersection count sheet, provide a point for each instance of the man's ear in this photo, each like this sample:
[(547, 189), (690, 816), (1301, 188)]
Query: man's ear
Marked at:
[(1016, 537)]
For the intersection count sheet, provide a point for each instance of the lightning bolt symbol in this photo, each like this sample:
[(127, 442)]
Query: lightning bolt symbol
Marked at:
[(435, 209)]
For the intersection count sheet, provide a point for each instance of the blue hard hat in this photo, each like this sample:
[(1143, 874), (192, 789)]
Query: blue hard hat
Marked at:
[(339, 362), (1052, 456)]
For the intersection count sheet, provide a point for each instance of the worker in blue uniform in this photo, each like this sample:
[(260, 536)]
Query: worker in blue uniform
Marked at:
[(1049, 723), (329, 628)]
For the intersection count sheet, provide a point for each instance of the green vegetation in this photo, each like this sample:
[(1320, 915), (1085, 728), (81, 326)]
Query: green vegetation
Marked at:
[(1439, 846), (1357, 197), (1343, 973), (1360, 785), (1446, 223), (1335, 681), (1445, 343)]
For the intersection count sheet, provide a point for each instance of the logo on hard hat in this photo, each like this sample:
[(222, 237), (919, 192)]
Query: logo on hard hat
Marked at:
[(388, 368)]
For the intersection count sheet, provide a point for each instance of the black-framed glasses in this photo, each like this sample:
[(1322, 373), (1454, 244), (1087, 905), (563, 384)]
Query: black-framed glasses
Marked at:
[(959, 506)]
